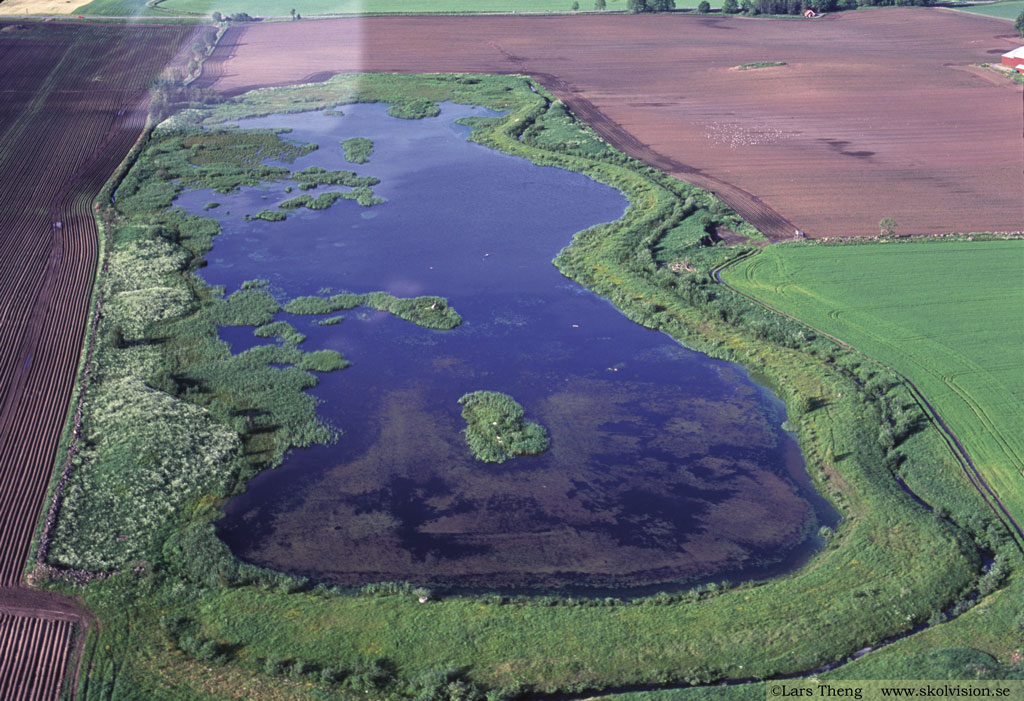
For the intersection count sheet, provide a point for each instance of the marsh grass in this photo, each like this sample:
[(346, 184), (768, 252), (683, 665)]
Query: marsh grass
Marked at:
[(281, 330), (496, 429), (267, 215), (428, 311), (321, 201), (418, 108), (358, 149)]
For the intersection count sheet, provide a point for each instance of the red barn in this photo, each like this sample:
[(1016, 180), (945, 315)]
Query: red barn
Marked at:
[(1014, 58)]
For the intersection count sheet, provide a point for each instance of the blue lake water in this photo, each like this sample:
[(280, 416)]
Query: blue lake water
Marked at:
[(665, 466)]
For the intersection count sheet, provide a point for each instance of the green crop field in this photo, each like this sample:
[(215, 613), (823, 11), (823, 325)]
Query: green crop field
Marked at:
[(1006, 10), (947, 315)]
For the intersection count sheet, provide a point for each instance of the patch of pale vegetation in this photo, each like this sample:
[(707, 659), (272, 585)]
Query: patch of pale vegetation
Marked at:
[(39, 7), (136, 310), (175, 451), (144, 263)]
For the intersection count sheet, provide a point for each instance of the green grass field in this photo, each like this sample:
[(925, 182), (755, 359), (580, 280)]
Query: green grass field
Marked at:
[(947, 315), (1006, 10)]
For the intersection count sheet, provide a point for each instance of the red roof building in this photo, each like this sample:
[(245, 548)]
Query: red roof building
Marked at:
[(1014, 58)]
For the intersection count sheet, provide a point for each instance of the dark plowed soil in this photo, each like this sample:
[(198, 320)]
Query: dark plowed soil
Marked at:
[(873, 115), (73, 102)]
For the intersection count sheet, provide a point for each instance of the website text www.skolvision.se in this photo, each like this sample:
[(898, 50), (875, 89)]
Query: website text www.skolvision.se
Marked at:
[(878, 690)]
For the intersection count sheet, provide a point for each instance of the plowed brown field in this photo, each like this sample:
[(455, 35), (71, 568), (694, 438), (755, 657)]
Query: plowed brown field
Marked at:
[(876, 113), (72, 102), (33, 654)]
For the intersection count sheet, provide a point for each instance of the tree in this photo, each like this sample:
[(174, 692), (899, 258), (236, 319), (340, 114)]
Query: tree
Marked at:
[(575, 7), (887, 227), (293, 13), (747, 7), (704, 7), (730, 7), (636, 6), (600, 5), (217, 16), (1018, 24)]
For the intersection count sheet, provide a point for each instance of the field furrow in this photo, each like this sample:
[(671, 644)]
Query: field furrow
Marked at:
[(33, 656), (70, 112)]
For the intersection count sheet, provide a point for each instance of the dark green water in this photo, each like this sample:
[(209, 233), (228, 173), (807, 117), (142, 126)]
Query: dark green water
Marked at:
[(665, 465)]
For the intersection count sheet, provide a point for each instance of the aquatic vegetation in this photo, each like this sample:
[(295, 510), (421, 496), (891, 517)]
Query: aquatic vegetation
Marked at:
[(414, 109), (322, 201), (427, 311), (357, 149), (257, 145), (267, 215), (282, 330), (251, 305), (320, 176), (496, 429), (322, 361), (364, 196), (296, 202)]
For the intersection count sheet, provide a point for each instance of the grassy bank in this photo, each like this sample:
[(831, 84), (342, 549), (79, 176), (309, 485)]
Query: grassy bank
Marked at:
[(184, 619)]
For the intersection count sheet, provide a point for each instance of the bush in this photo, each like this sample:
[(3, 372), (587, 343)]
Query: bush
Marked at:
[(704, 7)]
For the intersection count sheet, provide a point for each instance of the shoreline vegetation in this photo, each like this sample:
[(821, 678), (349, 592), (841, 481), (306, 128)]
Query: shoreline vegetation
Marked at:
[(496, 430), (174, 425)]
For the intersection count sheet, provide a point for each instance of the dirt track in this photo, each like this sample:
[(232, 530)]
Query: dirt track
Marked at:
[(876, 114)]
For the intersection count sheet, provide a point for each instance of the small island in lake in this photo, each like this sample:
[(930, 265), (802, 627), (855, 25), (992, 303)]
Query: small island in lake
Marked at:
[(357, 149), (495, 429)]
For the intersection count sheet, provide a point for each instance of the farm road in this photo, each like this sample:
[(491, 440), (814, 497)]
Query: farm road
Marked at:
[(875, 114)]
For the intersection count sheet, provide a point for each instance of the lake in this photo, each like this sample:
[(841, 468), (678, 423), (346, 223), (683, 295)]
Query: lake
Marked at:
[(665, 466)]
